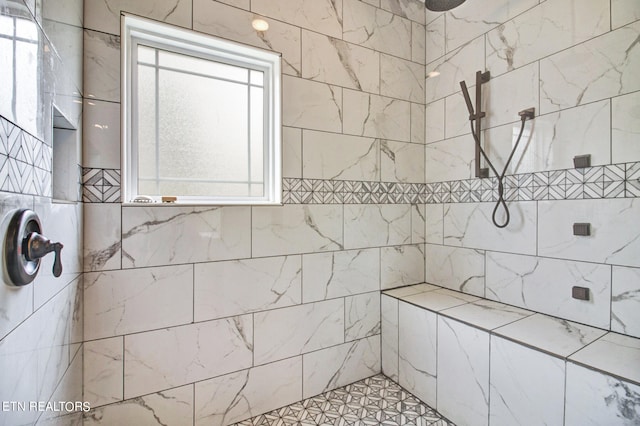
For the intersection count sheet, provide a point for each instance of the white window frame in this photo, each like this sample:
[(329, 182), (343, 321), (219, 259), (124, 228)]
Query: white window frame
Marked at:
[(136, 30)]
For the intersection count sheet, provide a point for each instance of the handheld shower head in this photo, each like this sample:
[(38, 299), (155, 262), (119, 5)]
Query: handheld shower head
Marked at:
[(442, 5)]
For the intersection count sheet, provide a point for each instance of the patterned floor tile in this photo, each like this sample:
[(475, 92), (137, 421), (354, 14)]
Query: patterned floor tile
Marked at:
[(373, 401)]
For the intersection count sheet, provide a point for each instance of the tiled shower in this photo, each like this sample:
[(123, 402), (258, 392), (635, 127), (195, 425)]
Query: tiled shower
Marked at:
[(211, 315)]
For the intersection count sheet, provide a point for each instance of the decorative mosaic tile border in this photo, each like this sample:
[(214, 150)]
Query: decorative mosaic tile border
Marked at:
[(611, 181), (25, 162), (100, 185)]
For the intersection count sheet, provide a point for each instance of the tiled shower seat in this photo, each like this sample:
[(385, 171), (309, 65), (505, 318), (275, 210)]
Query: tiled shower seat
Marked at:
[(480, 362)]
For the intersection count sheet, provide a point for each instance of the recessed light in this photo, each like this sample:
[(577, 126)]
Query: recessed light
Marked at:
[(260, 24), (432, 74)]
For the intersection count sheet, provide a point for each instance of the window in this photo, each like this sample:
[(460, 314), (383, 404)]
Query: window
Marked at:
[(201, 117)]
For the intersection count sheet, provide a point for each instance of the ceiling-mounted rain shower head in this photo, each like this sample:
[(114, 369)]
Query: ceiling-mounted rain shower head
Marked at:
[(442, 5)]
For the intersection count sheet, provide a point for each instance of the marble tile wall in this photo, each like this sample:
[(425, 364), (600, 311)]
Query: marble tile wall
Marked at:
[(213, 308), (576, 63), (41, 324)]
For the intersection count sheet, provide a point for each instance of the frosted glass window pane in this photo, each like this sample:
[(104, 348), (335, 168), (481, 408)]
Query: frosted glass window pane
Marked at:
[(200, 137), (147, 126), (257, 133), (6, 25), (146, 55), (26, 29), (203, 66), (257, 78)]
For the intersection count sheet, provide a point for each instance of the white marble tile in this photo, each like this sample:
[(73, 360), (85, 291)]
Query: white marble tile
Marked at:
[(340, 273), (595, 399), (457, 115), (544, 285), (223, 289), (376, 28), (463, 373), (450, 159), (102, 236), (242, 4), (472, 19), (456, 268), (486, 314), (60, 222), (434, 121), (439, 299), (460, 64), (68, 389), (435, 223), (179, 355), (331, 60), (435, 33), (614, 354), (323, 16), (401, 162), (614, 230), (409, 290), (625, 128), (101, 66), (169, 407), (340, 365), (376, 116), (117, 302), (552, 140), (362, 316), (418, 42), (376, 225), (291, 152), (544, 30), (16, 303), (311, 105), (103, 371), (418, 223), (526, 386), (553, 335), (66, 11), (344, 157), (625, 301), (401, 79), (624, 12), (599, 68), (247, 393), (417, 352), (67, 40), (469, 225), (418, 115), (410, 9), (101, 134), (401, 265), (19, 364), (286, 332), (293, 229), (231, 23), (170, 235), (53, 321), (510, 93), (389, 336), (104, 15)]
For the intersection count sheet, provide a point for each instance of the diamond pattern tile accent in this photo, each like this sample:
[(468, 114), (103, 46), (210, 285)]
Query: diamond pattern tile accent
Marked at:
[(100, 185), (25, 162), (374, 401)]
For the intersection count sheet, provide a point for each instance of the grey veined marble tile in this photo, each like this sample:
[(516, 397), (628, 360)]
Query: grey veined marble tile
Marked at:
[(553, 335)]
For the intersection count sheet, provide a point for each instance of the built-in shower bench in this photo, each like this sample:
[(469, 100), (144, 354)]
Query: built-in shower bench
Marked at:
[(482, 362)]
